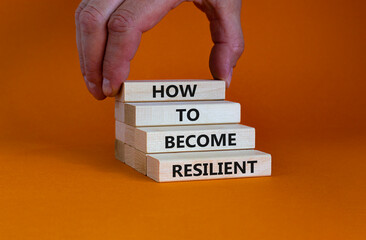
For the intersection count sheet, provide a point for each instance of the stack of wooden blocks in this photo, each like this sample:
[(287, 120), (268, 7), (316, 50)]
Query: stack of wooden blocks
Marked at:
[(183, 130)]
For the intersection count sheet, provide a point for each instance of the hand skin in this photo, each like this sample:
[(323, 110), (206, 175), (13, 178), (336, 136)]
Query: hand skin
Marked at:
[(108, 33)]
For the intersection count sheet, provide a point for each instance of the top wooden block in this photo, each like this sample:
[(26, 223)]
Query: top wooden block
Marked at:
[(171, 90)]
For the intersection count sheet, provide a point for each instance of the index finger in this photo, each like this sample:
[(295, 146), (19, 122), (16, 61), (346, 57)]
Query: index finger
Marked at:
[(125, 29)]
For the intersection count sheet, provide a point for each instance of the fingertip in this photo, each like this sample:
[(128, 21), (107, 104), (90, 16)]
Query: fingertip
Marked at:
[(99, 97), (220, 61), (110, 89), (228, 78), (107, 88), (94, 89)]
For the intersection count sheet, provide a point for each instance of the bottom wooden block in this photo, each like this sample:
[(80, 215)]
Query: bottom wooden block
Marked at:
[(131, 156), (119, 150), (188, 166)]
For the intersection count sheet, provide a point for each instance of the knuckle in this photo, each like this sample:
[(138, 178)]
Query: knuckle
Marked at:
[(77, 13), (121, 21), (90, 19), (78, 10)]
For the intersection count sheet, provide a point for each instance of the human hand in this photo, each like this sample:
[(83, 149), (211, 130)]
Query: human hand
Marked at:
[(108, 33)]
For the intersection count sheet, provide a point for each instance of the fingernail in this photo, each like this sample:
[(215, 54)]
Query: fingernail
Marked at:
[(107, 88), (92, 85), (228, 79)]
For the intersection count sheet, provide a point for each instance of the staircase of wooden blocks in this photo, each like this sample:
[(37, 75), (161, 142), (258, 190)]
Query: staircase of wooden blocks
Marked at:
[(183, 130)]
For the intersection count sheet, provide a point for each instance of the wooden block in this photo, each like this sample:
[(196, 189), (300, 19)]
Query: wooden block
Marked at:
[(119, 150), (177, 113), (172, 90), (187, 138), (140, 161), (131, 156), (187, 166), (119, 111), (136, 159), (125, 133)]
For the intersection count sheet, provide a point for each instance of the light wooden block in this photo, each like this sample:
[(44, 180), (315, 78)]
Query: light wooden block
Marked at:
[(177, 113), (187, 138), (125, 133), (188, 166), (119, 150), (138, 158), (131, 156), (171, 90)]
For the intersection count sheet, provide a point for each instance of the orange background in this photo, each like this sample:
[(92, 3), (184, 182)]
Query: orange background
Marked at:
[(301, 83)]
